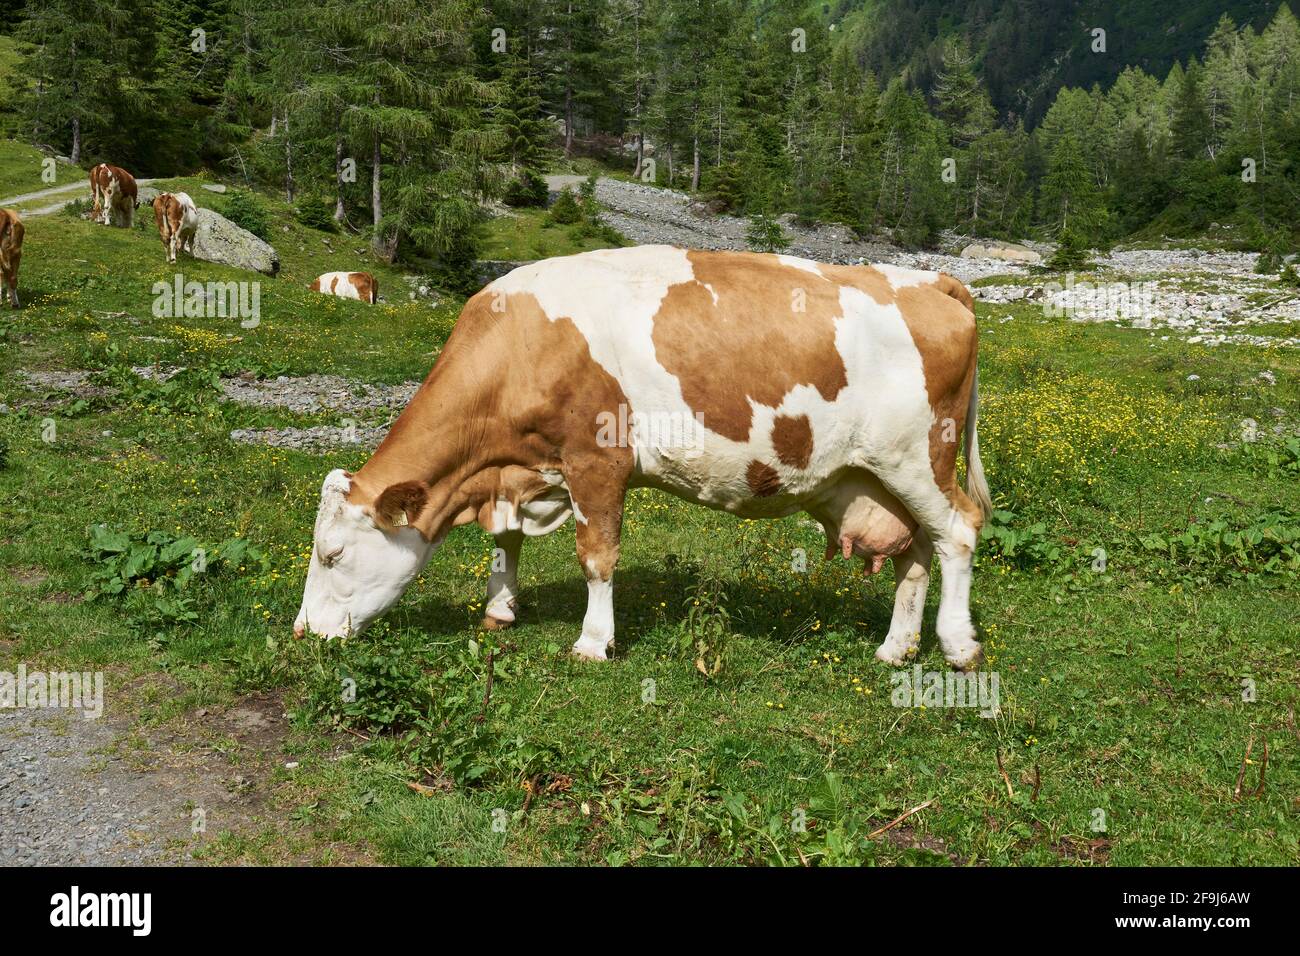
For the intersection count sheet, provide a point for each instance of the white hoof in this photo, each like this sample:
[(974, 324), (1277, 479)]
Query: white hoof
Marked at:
[(502, 614), (965, 657), (898, 650), (592, 648)]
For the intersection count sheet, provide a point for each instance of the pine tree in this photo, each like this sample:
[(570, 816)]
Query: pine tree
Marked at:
[(1070, 205), (82, 49), (1189, 128)]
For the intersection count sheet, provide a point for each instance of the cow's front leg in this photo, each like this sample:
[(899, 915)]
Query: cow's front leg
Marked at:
[(911, 580), (597, 495), (503, 582)]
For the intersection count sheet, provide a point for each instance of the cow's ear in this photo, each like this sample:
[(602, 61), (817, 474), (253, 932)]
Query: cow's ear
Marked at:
[(400, 505)]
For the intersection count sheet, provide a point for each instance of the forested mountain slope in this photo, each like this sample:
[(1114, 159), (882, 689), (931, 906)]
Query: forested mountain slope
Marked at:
[(1028, 49)]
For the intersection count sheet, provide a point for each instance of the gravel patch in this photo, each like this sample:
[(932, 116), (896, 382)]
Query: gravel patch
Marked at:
[(314, 393), (1141, 261), (316, 438), (66, 801), (647, 214), (1224, 309), (58, 381), (110, 792)]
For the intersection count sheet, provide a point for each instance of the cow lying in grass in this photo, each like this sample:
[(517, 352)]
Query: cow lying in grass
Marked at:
[(841, 391), (114, 193), (11, 253), (178, 222), (348, 285)]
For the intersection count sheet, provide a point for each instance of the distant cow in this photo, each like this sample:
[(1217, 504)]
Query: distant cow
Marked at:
[(11, 252), (113, 189), (178, 220), (348, 285)]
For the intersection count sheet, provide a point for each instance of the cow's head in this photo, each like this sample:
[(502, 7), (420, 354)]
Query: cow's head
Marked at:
[(363, 556)]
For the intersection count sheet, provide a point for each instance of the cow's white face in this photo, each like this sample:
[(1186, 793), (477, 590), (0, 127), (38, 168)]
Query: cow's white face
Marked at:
[(357, 570)]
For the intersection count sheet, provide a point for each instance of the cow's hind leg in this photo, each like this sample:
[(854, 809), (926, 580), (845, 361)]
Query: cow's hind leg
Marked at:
[(952, 522), (503, 582), (911, 581), (597, 490)]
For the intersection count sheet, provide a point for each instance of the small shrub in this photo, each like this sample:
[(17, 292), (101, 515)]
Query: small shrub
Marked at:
[(1273, 458), (587, 198), (186, 392), (316, 213), (1024, 546), (565, 210), (77, 209), (245, 210), (589, 229), (526, 189), (765, 234), (1071, 252)]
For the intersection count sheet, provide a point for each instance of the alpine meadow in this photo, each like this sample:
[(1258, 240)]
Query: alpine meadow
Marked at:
[(604, 433)]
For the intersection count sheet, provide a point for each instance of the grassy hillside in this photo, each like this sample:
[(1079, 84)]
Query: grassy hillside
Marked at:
[(22, 166)]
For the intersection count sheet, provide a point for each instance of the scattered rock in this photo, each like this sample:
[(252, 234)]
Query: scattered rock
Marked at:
[(214, 187), (649, 214), (316, 438), (314, 393)]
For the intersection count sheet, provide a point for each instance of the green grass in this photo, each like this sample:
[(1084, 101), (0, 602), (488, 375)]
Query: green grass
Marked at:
[(526, 234), (1121, 691), (22, 166)]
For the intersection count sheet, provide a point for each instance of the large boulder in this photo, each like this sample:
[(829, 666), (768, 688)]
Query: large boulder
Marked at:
[(1005, 251), (220, 240)]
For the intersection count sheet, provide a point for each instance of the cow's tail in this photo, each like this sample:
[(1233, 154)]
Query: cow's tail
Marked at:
[(977, 486), (954, 288)]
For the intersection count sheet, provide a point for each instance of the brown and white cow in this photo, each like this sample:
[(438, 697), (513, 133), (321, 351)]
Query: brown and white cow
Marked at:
[(760, 385), (11, 253), (113, 190), (348, 285), (178, 221)]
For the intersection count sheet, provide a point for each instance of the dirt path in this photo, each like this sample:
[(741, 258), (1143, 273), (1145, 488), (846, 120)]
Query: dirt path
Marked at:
[(112, 792), (53, 191)]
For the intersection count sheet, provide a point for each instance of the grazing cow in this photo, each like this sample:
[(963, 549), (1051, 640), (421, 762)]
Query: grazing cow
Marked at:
[(11, 253), (348, 285), (113, 190), (178, 221), (760, 385)]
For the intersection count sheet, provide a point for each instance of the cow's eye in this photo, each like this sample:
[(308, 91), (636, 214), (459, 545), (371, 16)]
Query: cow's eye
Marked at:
[(329, 559)]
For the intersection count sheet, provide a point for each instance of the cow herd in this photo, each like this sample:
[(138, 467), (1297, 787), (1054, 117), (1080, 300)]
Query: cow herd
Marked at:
[(115, 197)]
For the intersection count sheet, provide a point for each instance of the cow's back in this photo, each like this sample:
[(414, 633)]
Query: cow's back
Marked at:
[(728, 357)]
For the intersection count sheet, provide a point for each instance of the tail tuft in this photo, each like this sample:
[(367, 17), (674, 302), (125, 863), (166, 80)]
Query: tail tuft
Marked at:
[(977, 486)]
